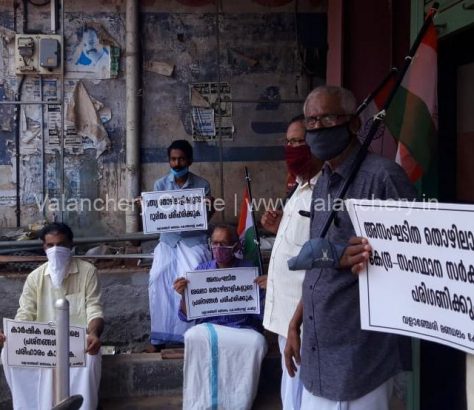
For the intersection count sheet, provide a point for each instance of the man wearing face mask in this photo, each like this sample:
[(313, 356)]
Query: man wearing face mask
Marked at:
[(229, 347), (342, 366), (60, 277), (176, 253), (292, 231)]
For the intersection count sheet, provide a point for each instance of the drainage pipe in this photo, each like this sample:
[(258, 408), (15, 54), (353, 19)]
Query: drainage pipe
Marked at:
[(132, 177)]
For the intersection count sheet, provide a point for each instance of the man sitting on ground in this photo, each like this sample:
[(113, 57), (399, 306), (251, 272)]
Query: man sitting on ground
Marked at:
[(223, 354), (75, 280)]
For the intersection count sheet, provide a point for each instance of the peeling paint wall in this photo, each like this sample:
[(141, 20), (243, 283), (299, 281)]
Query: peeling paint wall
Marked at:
[(255, 50), (126, 328)]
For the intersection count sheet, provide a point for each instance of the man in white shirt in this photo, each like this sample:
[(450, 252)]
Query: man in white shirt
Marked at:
[(60, 277), (292, 231)]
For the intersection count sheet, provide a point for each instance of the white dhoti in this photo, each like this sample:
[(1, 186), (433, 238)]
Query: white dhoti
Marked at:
[(377, 399), (221, 367), (32, 388), (168, 264)]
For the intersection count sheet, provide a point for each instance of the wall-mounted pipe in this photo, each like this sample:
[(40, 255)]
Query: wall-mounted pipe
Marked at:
[(132, 144)]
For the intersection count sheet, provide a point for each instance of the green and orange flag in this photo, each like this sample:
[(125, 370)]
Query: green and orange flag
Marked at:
[(413, 113), (246, 230)]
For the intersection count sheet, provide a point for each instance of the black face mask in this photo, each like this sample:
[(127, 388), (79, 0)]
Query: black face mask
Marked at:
[(328, 143)]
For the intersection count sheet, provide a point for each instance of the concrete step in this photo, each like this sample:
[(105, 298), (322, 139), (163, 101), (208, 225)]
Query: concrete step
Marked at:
[(173, 401), (148, 381)]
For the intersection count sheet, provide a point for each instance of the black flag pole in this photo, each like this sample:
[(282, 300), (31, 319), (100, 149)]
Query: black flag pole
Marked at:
[(378, 119), (254, 222), (364, 104)]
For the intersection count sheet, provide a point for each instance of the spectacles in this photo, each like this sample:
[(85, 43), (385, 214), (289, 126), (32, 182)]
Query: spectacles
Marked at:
[(221, 244), (326, 120), (294, 142)]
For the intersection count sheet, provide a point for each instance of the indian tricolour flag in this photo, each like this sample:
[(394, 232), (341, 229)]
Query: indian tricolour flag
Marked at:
[(383, 142), (246, 230), (413, 113)]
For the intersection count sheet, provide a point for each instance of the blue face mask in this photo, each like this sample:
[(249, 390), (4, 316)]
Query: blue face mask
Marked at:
[(328, 143), (179, 173)]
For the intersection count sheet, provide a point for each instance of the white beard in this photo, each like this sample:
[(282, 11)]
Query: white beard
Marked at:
[(59, 259)]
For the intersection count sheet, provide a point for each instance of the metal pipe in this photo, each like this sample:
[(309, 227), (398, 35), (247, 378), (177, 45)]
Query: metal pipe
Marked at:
[(132, 177), (138, 236), (43, 154), (233, 100), (219, 129), (264, 101), (54, 25), (62, 94), (29, 102), (17, 153), (38, 258), (61, 307)]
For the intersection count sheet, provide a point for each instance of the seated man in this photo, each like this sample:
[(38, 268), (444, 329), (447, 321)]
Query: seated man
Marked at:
[(177, 252), (76, 280), (223, 354)]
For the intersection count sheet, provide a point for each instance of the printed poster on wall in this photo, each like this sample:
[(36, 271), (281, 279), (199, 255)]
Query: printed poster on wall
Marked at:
[(211, 111), (92, 53), (420, 277), (174, 211), (220, 292)]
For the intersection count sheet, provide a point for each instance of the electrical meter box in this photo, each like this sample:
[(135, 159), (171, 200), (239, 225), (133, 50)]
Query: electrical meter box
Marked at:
[(38, 54)]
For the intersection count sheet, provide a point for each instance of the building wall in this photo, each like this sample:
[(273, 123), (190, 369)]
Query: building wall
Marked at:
[(368, 38), (258, 56), (124, 300)]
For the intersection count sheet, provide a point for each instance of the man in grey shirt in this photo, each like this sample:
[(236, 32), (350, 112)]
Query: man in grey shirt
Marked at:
[(342, 366)]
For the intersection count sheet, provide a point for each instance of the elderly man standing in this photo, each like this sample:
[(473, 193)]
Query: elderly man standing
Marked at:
[(60, 277), (292, 231), (342, 366)]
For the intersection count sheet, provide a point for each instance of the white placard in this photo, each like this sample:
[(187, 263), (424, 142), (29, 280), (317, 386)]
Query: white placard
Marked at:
[(420, 277), (33, 344), (174, 211), (220, 292)]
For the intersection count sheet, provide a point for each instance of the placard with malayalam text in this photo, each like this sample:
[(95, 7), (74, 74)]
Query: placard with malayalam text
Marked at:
[(174, 211), (420, 276), (220, 292), (33, 344)]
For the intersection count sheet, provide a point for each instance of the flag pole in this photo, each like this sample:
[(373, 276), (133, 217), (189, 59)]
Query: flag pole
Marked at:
[(364, 104), (379, 118), (252, 213)]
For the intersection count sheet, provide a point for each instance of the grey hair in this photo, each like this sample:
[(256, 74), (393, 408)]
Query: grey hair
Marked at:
[(346, 98), (231, 230)]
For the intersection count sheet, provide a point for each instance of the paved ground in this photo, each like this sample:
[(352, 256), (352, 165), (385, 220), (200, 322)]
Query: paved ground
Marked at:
[(174, 402)]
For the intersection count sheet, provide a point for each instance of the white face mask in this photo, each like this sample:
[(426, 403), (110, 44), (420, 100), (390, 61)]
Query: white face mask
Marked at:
[(59, 258)]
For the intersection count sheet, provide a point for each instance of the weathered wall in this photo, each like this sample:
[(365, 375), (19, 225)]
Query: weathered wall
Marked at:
[(125, 302), (259, 56)]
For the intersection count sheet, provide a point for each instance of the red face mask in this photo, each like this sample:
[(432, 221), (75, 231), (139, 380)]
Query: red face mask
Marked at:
[(298, 159)]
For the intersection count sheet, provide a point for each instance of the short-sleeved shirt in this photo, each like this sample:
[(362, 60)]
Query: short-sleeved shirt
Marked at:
[(340, 361), (168, 183), (80, 287), (284, 285)]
